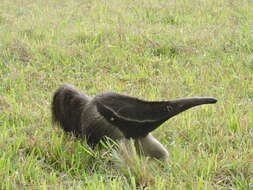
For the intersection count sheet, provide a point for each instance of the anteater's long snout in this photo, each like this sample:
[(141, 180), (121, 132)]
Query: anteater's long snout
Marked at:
[(136, 118), (187, 103)]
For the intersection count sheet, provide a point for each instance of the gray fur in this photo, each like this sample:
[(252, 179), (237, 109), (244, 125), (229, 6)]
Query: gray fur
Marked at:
[(75, 112), (116, 116)]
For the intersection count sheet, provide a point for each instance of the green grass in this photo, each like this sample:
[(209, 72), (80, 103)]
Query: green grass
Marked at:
[(151, 49)]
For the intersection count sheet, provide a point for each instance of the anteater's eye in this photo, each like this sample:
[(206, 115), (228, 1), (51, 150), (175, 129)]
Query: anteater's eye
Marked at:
[(169, 108)]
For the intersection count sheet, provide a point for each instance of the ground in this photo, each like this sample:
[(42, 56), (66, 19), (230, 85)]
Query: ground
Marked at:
[(150, 49)]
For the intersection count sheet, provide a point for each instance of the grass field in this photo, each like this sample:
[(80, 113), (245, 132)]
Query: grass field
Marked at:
[(151, 49)]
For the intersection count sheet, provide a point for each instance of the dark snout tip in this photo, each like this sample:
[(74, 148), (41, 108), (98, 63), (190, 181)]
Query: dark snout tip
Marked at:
[(211, 100), (202, 100)]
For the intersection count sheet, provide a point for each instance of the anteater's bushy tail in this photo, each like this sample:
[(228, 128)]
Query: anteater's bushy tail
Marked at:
[(67, 107)]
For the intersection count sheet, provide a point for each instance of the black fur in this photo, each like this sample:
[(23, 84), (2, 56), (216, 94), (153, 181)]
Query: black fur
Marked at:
[(113, 115)]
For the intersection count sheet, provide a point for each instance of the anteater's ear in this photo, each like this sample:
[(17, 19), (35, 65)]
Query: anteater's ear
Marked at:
[(135, 117)]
